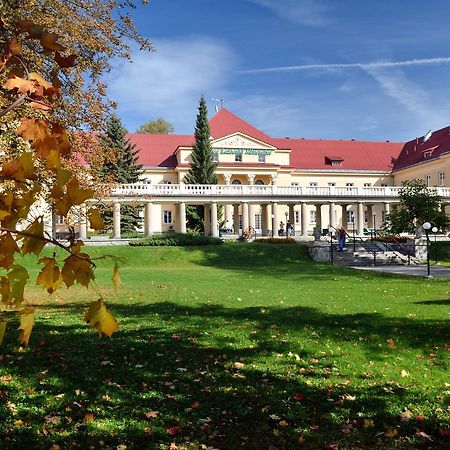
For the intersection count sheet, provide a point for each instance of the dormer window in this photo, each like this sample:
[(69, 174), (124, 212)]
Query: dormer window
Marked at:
[(428, 152), (334, 161)]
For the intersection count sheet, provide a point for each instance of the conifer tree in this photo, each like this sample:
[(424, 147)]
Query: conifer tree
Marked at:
[(123, 167), (203, 167)]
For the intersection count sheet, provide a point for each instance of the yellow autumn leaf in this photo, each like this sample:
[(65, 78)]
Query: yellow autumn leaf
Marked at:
[(101, 319), (8, 247), (2, 330), (26, 325), (17, 278), (35, 242), (116, 277), (42, 81), (95, 219), (77, 268), (50, 275)]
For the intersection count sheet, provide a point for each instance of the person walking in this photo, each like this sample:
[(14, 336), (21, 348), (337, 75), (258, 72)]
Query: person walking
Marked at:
[(342, 234)]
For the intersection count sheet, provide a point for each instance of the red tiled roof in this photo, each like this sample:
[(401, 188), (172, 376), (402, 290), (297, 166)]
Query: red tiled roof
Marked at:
[(159, 150), (225, 123), (413, 151), (356, 155)]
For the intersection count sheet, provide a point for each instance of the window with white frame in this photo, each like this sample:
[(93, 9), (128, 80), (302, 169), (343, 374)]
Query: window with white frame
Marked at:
[(261, 158), (238, 157), (167, 216), (427, 180), (60, 220), (313, 184), (312, 217), (258, 221), (297, 216), (350, 217), (441, 178)]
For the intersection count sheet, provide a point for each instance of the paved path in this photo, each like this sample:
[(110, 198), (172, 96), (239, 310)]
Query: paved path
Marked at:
[(412, 271)]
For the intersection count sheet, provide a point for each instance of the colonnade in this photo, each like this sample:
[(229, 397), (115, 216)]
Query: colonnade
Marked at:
[(241, 216)]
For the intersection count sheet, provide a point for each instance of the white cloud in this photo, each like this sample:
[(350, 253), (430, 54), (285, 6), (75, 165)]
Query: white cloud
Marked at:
[(304, 12), (363, 66), (415, 99), (169, 82)]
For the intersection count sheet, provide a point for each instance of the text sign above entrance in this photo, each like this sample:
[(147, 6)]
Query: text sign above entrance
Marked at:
[(243, 151)]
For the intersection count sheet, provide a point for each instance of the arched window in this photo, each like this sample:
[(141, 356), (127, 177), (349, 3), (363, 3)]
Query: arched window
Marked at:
[(236, 182), (259, 182)]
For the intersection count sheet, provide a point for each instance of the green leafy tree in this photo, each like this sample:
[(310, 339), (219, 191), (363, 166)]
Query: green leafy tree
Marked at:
[(418, 204), (203, 168), (158, 126), (121, 167)]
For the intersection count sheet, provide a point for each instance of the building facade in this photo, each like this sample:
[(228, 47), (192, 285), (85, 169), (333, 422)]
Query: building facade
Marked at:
[(264, 182)]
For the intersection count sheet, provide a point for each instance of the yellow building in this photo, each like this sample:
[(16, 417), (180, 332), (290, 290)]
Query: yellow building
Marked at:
[(264, 182)]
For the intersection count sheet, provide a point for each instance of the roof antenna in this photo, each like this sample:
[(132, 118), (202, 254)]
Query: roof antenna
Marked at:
[(218, 100)]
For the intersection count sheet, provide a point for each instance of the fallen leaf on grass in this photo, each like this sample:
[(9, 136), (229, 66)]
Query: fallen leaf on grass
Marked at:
[(172, 431), (88, 417), (151, 414), (299, 396)]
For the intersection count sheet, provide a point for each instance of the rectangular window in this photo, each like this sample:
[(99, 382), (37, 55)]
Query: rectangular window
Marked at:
[(297, 216), (332, 184), (336, 163), (167, 216), (312, 217), (427, 180), (238, 157), (367, 184), (258, 222), (60, 220), (350, 216), (349, 184), (313, 184), (441, 178), (261, 158), (216, 155)]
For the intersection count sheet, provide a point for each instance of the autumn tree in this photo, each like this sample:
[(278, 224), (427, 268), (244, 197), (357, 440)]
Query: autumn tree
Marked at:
[(202, 169), (418, 204), (121, 167), (52, 57), (158, 126)]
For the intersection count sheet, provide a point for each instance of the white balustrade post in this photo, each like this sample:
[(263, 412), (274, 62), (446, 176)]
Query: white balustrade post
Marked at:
[(116, 220)]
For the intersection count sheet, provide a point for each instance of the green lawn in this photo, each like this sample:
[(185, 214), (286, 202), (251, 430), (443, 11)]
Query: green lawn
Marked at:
[(235, 346)]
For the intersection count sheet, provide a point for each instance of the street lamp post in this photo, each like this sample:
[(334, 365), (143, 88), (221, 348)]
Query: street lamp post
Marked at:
[(286, 214), (435, 230), (427, 227)]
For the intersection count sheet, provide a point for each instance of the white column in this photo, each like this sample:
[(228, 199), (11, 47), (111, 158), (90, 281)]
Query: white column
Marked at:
[(236, 219), (182, 217), (207, 219), (245, 221), (116, 220), (228, 208), (370, 222), (54, 218), (275, 219), (291, 213), (304, 219), (332, 216), (83, 224), (148, 213), (360, 219), (319, 216), (344, 220), (265, 220), (251, 213), (387, 209), (214, 223)]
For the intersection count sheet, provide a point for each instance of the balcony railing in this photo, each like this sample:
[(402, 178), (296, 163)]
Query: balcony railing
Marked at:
[(224, 191)]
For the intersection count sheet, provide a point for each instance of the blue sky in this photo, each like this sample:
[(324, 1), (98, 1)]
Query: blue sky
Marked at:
[(338, 69)]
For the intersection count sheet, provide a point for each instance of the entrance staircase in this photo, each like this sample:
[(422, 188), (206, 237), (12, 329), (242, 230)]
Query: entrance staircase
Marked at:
[(366, 253)]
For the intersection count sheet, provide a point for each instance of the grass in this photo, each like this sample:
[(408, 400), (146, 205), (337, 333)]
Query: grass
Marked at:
[(235, 346)]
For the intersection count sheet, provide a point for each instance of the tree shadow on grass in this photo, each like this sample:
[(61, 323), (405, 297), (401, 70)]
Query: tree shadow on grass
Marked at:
[(434, 302), (209, 385)]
